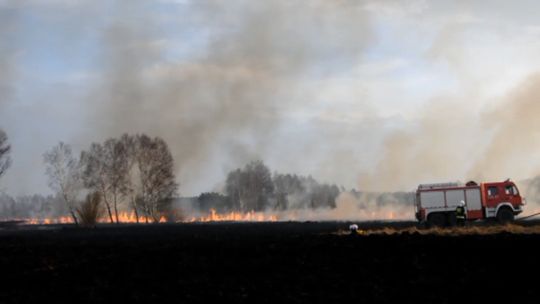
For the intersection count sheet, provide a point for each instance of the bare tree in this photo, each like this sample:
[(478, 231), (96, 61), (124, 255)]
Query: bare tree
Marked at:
[(259, 182), (234, 189), (5, 148), (106, 170), (293, 191), (116, 170), (94, 173), (287, 185), (157, 180), (250, 187), (63, 171), (136, 168)]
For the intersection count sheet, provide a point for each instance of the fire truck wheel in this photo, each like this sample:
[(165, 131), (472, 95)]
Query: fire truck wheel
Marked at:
[(505, 215), (436, 220)]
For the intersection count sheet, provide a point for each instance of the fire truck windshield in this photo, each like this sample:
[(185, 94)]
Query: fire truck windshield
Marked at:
[(511, 190)]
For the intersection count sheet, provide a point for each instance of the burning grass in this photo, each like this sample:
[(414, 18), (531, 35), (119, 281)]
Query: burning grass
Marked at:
[(131, 217), (251, 216), (123, 217)]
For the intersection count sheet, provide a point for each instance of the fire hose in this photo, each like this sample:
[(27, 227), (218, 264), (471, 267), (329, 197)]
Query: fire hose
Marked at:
[(528, 216)]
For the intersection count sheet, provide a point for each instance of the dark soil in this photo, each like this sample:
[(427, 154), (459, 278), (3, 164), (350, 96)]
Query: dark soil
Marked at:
[(262, 262)]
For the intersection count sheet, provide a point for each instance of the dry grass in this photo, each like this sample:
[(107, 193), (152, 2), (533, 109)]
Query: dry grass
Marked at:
[(452, 231), (90, 210)]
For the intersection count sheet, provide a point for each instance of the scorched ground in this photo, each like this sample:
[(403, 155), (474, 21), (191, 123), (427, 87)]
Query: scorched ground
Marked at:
[(263, 262)]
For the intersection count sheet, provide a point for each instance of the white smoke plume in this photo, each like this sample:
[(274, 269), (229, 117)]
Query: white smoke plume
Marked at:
[(351, 206)]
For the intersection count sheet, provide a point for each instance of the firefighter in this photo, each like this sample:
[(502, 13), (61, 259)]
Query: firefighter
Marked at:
[(354, 229), (461, 214)]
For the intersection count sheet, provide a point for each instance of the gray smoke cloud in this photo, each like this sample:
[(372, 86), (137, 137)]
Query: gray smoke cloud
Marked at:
[(228, 100), (306, 86)]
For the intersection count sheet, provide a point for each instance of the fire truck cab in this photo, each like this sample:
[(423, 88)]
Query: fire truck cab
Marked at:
[(436, 203)]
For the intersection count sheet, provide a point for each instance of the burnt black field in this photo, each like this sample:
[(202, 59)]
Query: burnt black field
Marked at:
[(262, 262)]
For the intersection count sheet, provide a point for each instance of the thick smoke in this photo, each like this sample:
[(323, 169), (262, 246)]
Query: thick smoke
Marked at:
[(227, 100), (530, 189), (449, 140), (515, 135), (438, 145), (350, 205), (226, 82), (223, 105), (359, 206)]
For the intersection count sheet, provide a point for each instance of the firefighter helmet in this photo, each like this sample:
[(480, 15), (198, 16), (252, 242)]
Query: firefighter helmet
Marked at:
[(462, 203)]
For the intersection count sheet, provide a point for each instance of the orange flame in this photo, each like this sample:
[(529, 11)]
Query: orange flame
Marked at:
[(123, 217), (49, 221), (250, 216), (130, 217)]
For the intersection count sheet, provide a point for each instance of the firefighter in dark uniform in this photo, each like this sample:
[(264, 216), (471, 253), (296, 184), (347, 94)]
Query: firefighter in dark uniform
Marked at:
[(461, 214)]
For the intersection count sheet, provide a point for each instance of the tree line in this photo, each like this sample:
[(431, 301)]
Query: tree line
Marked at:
[(135, 171), (31, 206), (254, 188)]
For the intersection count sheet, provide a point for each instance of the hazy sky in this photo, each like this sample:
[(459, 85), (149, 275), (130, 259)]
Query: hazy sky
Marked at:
[(376, 95)]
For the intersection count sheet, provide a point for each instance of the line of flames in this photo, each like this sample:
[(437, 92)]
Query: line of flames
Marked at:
[(214, 216), (123, 217), (130, 217), (250, 216)]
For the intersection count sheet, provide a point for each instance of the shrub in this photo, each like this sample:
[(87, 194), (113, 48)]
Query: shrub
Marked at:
[(90, 210)]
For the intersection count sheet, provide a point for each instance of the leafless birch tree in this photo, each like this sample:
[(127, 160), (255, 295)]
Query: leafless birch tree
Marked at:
[(63, 172), (157, 180)]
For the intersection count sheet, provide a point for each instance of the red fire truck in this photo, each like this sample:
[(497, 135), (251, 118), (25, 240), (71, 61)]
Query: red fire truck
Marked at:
[(436, 203)]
